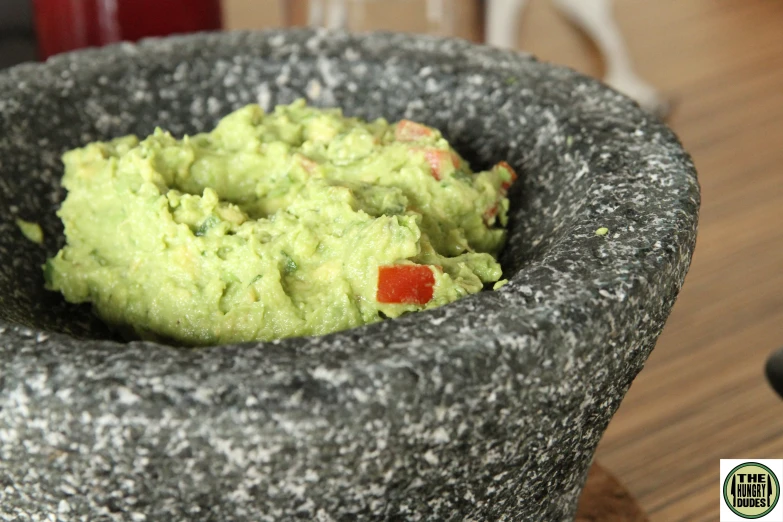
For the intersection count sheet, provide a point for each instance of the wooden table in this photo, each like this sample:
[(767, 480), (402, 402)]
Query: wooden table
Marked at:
[(703, 396), (605, 499)]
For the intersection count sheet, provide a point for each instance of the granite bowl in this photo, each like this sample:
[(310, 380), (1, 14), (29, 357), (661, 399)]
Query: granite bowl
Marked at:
[(486, 409)]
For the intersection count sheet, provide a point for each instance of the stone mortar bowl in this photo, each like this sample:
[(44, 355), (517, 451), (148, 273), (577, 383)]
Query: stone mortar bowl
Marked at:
[(486, 409)]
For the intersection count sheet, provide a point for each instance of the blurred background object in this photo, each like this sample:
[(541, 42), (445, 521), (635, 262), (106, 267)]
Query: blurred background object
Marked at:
[(65, 25), (17, 37), (774, 370), (596, 19), (461, 18)]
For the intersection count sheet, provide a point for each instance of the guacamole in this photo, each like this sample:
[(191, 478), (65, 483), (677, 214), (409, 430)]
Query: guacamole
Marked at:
[(297, 222), (31, 231)]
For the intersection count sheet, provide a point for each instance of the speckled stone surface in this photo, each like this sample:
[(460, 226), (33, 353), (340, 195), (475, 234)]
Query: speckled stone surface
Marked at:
[(488, 409)]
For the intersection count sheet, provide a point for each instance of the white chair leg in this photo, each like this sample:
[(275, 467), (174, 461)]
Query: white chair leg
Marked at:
[(337, 14), (315, 13), (435, 10), (596, 19), (440, 17), (502, 21)]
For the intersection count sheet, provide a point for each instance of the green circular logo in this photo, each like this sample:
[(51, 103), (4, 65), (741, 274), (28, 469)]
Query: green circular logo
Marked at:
[(751, 490)]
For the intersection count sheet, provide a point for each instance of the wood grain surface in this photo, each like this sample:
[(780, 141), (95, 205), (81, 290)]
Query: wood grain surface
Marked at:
[(605, 499), (702, 395)]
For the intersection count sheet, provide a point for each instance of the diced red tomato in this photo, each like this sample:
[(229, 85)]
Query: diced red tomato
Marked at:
[(490, 214), (309, 165), (455, 159), (407, 130), (508, 168), (439, 159), (405, 284)]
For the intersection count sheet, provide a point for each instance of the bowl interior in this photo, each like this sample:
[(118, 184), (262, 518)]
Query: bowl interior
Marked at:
[(98, 95)]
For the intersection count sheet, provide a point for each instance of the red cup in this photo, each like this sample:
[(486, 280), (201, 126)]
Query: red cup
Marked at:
[(65, 25)]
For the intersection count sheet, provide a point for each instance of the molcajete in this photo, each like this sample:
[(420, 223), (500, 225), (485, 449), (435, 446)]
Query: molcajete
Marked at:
[(489, 408)]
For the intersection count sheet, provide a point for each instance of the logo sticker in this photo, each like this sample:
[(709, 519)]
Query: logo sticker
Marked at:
[(750, 490)]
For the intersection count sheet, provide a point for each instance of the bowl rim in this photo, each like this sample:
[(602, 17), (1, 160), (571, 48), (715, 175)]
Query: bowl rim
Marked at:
[(584, 291)]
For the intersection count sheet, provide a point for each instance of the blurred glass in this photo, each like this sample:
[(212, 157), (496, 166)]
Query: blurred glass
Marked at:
[(17, 39), (421, 16), (65, 25), (460, 18)]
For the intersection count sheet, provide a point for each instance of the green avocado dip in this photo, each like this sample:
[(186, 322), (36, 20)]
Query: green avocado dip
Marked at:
[(32, 231), (298, 222)]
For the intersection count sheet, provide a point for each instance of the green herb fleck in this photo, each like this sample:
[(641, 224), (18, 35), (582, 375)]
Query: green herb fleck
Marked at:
[(461, 175), (208, 223), (512, 80), (256, 278), (31, 231), (569, 141), (98, 258), (290, 265), (602, 231)]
